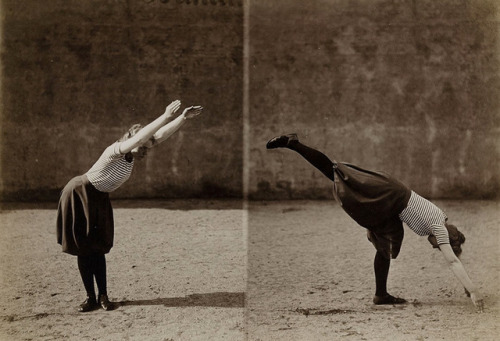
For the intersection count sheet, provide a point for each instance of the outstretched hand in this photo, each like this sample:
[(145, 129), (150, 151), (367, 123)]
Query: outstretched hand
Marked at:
[(192, 111), (173, 107), (478, 302)]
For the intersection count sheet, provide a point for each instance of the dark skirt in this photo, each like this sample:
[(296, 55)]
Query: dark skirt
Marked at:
[(84, 219), (373, 199)]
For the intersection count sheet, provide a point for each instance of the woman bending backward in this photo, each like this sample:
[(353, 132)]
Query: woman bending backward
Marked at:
[(85, 226)]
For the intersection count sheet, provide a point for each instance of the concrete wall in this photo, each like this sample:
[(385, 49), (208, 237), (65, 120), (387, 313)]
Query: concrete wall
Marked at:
[(410, 87), (406, 86), (77, 74)]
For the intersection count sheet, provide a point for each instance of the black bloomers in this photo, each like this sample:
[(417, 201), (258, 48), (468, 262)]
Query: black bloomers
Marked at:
[(388, 238), (374, 200)]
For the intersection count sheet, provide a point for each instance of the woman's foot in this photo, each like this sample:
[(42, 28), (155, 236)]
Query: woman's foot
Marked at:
[(281, 141), (388, 299), (105, 303), (88, 305)]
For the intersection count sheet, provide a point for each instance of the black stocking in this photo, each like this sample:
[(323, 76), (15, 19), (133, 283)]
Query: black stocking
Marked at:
[(85, 267), (90, 267), (100, 273), (314, 157), (381, 265)]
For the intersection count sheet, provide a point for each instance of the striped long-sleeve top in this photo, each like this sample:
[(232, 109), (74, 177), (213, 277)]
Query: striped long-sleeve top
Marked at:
[(425, 218), (111, 169)]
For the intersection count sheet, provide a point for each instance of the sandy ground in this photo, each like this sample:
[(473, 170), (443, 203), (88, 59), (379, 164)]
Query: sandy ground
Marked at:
[(310, 277), (177, 270), (203, 271)]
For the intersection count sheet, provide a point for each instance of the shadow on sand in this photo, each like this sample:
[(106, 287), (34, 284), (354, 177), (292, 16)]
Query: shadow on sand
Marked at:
[(216, 299)]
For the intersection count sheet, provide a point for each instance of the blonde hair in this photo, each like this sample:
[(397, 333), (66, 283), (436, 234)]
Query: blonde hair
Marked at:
[(131, 132)]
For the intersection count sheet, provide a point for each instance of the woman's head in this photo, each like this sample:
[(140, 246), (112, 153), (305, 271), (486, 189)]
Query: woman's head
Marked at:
[(141, 151), (457, 238), (131, 132)]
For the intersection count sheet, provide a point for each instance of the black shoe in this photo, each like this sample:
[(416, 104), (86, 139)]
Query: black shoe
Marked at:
[(388, 299), (105, 303), (281, 141), (88, 305)]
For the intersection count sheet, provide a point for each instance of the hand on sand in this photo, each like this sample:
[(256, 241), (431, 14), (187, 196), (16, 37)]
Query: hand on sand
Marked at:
[(478, 302)]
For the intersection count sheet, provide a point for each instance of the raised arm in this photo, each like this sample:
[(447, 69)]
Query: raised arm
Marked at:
[(145, 133), (458, 269), (167, 130)]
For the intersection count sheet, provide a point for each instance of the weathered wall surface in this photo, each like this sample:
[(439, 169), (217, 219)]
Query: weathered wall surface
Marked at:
[(410, 87), (407, 86), (77, 74)]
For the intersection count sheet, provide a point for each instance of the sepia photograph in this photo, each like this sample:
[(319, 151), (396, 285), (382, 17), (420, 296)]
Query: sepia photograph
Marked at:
[(251, 170)]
